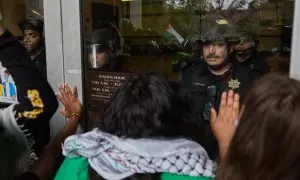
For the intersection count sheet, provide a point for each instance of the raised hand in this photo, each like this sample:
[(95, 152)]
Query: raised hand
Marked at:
[(224, 123), (70, 100)]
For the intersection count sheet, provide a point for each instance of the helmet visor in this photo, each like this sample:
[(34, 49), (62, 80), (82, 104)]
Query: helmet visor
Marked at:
[(97, 55)]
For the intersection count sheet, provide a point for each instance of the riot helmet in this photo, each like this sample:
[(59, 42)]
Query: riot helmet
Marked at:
[(215, 35), (102, 45), (215, 28), (248, 40)]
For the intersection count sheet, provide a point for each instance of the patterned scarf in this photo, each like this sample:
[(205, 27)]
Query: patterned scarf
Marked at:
[(117, 158)]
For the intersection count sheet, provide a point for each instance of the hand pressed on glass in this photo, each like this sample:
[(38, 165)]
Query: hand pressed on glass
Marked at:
[(70, 100), (224, 123)]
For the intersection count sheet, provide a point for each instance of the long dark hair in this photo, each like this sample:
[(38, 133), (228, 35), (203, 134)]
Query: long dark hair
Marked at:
[(266, 143)]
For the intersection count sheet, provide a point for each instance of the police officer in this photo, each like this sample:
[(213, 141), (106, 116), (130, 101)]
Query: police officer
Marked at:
[(104, 47), (103, 53), (246, 51), (34, 42), (204, 80)]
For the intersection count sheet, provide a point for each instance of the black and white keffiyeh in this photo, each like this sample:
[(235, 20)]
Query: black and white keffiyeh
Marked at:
[(116, 158)]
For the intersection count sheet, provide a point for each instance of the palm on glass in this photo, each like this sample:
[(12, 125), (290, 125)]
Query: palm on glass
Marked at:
[(224, 123), (70, 100)]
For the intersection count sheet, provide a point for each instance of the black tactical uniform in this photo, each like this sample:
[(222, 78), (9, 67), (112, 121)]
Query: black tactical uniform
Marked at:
[(105, 40), (197, 81), (256, 62), (203, 89)]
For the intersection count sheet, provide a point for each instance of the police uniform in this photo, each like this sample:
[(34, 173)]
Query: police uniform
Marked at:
[(202, 88), (247, 32), (195, 81), (188, 67), (256, 63), (106, 40)]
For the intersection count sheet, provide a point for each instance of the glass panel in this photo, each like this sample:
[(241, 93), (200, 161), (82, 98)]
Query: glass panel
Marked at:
[(159, 33), (191, 42)]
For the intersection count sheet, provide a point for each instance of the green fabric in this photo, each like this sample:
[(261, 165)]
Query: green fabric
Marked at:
[(179, 56), (168, 176), (73, 169), (169, 36), (77, 169)]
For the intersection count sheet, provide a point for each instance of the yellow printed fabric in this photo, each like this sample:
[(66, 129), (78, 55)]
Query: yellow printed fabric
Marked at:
[(37, 104), (1, 90)]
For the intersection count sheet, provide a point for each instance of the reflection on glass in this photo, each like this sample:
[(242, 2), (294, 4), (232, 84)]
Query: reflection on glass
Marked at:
[(97, 56), (209, 46), (104, 49), (158, 35)]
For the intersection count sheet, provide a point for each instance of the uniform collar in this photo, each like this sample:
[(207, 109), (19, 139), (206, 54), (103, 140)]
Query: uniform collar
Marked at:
[(222, 77)]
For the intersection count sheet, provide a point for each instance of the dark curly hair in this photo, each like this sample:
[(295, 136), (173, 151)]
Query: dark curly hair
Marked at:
[(147, 107)]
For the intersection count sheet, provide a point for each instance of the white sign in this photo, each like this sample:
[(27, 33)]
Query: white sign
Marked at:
[(8, 90)]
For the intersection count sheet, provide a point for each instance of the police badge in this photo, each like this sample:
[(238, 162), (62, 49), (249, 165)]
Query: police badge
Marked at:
[(252, 66), (234, 84)]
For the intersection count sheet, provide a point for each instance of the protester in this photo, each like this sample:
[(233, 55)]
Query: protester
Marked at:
[(24, 127), (51, 157), (146, 131), (34, 42), (265, 144)]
